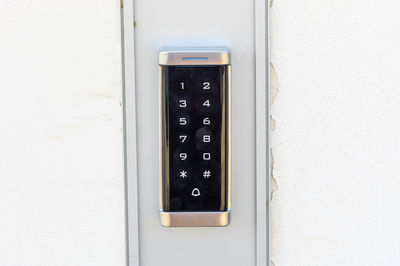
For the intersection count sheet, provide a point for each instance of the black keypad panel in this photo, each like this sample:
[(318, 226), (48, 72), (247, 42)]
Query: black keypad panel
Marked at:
[(195, 137)]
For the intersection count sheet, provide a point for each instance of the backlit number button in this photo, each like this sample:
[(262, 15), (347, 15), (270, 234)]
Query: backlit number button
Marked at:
[(206, 85), (210, 121), (183, 139), (183, 156), (204, 139), (207, 105), (206, 156), (182, 120), (182, 103), (180, 85)]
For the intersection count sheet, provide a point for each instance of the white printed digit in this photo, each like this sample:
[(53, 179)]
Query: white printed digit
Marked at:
[(182, 121), (206, 85), (183, 138), (206, 138), (207, 103), (206, 156), (183, 156), (182, 103)]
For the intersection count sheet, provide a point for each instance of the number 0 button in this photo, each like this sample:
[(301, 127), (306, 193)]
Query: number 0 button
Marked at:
[(206, 156)]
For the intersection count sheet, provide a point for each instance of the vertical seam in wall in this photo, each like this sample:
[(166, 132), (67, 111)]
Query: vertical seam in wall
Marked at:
[(130, 141), (124, 135), (261, 39)]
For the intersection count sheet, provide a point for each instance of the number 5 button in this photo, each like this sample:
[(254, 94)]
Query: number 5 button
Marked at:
[(182, 120)]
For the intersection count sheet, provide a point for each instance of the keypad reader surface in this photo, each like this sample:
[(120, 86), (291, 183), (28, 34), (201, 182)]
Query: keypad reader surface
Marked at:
[(195, 137)]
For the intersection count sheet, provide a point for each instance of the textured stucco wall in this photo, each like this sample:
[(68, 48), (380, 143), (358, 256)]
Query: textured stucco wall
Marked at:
[(61, 156), (336, 144)]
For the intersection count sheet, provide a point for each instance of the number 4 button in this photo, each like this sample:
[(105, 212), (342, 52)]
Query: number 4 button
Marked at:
[(207, 103)]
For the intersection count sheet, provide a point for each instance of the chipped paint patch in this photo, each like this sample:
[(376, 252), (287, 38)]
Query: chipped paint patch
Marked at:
[(274, 90)]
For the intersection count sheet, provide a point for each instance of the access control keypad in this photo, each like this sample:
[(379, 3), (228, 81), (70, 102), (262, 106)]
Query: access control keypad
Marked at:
[(195, 113)]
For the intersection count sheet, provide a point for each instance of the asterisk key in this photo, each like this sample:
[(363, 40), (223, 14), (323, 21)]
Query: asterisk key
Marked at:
[(183, 174)]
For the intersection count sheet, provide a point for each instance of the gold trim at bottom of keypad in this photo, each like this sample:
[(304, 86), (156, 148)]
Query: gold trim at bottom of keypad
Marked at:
[(195, 218)]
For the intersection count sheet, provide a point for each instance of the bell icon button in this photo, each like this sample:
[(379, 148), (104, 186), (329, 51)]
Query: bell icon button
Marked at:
[(195, 192)]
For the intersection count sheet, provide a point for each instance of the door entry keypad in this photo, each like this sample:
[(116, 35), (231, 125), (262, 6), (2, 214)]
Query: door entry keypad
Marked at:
[(195, 135)]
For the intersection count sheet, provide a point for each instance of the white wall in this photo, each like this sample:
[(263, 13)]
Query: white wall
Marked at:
[(61, 156), (337, 139)]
